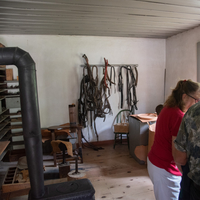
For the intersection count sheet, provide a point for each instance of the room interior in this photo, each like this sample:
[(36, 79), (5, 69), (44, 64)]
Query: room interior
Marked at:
[(160, 37)]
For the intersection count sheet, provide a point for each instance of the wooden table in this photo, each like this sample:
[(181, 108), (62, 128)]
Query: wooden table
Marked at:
[(60, 127)]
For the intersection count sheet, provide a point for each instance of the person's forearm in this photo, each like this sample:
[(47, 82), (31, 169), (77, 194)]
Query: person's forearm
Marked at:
[(180, 158)]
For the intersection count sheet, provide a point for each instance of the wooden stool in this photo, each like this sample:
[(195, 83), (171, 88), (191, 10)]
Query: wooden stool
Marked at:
[(64, 167)]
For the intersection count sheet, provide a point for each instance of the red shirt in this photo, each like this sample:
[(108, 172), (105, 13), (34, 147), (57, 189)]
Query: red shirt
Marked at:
[(167, 125)]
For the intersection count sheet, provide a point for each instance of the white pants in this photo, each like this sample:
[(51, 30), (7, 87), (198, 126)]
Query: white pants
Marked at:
[(166, 185)]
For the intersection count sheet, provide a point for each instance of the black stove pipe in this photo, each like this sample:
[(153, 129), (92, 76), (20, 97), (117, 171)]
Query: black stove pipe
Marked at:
[(30, 114)]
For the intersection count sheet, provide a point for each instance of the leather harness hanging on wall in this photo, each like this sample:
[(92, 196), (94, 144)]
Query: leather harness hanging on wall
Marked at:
[(94, 96), (93, 99), (131, 97)]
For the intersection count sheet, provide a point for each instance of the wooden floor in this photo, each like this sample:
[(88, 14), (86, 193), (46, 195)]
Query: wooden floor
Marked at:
[(114, 175)]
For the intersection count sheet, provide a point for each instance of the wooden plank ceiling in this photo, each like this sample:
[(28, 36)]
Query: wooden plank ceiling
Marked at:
[(121, 18)]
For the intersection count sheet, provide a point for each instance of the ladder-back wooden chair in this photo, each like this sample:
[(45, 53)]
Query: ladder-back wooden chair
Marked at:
[(120, 126)]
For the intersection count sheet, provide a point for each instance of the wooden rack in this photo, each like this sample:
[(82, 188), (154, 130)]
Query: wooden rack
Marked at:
[(114, 65)]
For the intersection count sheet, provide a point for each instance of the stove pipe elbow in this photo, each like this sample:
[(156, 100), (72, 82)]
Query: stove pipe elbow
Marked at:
[(30, 114)]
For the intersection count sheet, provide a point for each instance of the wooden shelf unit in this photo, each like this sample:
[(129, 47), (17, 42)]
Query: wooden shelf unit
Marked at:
[(8, 121), (3, 147)]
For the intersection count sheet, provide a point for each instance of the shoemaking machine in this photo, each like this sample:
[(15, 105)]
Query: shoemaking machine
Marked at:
[(79, 189)]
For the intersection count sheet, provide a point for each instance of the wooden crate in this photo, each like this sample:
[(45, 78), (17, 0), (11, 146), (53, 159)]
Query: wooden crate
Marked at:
[(9, 74), (10, 185)]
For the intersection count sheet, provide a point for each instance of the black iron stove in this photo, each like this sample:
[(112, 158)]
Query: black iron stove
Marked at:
[(80, 189)]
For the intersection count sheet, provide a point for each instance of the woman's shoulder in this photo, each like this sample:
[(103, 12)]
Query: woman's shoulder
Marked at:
[(173, 111)]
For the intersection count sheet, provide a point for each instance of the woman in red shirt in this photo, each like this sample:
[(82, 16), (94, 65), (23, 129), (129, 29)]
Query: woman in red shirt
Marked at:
[(163, 171)]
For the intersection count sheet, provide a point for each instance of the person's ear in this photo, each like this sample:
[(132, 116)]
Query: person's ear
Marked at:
[(184, 97)]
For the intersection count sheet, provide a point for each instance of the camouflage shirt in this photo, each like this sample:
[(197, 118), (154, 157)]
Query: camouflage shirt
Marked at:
[(188, 140)]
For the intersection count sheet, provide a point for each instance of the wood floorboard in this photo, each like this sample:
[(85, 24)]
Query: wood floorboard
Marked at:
[(113, 173)]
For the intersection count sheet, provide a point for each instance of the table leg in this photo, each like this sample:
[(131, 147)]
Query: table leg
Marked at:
[(80, 143), (54, 154)]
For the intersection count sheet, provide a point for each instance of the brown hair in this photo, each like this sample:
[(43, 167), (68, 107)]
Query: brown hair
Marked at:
[(159, 108), (182, 87)]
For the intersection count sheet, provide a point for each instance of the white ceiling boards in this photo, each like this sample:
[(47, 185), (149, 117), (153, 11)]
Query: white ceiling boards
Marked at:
[(120, 18)]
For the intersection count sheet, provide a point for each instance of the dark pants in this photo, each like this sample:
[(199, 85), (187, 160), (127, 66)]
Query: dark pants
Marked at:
[(185, 184), (194, 192)]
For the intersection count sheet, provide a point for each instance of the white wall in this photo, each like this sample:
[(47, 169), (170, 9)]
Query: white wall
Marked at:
[(58, 60), (181, 58)]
